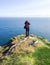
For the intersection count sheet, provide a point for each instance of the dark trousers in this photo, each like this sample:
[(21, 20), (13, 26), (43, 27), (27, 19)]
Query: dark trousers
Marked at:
[(27, 32)]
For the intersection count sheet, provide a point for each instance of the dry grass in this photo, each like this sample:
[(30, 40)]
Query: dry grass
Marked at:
[(26, 54)]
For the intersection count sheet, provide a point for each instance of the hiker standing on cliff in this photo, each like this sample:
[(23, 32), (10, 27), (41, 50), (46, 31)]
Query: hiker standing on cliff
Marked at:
[(27, 28)]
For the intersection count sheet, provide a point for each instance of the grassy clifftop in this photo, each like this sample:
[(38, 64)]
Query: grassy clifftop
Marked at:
[(22, 51)]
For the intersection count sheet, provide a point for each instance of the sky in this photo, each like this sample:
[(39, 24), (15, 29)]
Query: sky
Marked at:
[(24, 8)]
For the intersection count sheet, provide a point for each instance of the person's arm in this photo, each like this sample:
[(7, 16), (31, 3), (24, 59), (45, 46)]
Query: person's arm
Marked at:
[(29, 23)]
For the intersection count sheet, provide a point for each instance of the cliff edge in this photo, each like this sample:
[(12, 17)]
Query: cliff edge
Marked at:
[(23, 50)]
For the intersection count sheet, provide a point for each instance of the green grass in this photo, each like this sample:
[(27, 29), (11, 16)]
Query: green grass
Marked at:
[(40, 55)]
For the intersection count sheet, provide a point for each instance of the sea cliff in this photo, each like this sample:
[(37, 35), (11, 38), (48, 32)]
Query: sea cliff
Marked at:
[(19, 50)]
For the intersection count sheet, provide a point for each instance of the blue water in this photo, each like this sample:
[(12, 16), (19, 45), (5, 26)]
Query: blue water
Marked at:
[(10, 27)]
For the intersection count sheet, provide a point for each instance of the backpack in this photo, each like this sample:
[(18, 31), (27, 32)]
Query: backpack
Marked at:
[(24, 27)]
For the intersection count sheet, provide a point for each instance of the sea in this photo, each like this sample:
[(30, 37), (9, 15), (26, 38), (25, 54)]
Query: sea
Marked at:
[(14, 26)]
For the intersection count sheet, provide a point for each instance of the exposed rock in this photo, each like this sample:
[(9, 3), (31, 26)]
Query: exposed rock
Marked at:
[(34, 42)]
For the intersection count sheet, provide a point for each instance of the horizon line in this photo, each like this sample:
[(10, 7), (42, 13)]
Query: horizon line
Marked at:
[(26, 17)]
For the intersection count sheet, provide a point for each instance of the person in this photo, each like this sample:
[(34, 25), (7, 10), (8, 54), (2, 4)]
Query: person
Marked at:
[(27, 28)]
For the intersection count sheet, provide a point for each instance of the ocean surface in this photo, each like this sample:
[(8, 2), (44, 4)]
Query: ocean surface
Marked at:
[(10, 27)]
